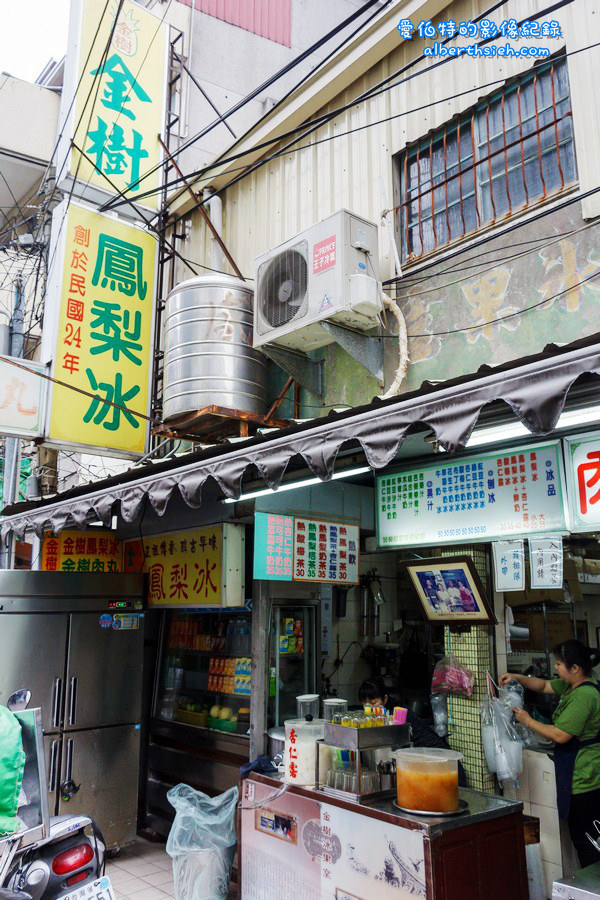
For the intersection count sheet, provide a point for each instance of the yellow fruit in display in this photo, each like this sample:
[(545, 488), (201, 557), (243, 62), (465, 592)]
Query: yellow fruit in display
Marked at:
[(215, 712), (226, 712)]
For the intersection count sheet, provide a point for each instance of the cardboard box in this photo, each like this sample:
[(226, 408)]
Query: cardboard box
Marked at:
[(560, 628)]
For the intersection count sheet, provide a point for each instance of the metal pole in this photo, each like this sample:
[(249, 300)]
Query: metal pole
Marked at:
[(12, 446)]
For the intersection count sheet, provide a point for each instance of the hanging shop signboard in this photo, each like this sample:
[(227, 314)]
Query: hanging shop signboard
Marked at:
[(476, 498), (192, 568), (546, 561), (113, 101), (509, 565), (100, 333), (582, 463), (22, 398), (94, 551), (291, 548)]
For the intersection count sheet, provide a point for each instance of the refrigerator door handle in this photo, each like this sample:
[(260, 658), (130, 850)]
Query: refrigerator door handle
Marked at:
[(53, 766), (69, 772), (56, 705), (68, 788), (73, 700)]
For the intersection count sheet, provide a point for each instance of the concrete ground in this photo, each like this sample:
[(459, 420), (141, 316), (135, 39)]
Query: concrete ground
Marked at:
[(144, 871)]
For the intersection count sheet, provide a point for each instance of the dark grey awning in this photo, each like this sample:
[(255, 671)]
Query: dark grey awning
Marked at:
[(535, 391)]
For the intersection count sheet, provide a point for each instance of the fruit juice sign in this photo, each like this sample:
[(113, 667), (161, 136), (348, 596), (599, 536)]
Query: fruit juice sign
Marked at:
[(102, 289), (117, 72)]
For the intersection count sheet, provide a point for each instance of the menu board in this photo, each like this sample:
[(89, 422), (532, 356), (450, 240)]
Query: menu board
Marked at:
[(477, 498), (290, 548), (325, 551), (273, 546)]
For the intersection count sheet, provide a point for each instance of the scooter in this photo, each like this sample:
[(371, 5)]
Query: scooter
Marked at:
[(67, 863)]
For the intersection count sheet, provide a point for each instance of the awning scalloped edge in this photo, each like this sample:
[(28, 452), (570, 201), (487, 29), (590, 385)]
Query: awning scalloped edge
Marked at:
[(536, 393)]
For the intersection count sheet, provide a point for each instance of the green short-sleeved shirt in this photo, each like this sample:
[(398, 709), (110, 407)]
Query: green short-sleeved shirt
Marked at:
[(578, 713)]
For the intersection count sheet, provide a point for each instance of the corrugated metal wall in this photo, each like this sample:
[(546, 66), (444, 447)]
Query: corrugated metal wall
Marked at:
[(271, 19), (292, 192)]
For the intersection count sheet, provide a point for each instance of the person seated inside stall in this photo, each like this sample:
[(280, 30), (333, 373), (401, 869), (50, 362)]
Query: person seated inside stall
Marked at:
[(373, 692)]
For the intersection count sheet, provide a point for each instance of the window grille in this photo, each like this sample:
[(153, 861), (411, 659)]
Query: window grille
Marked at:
[(508, 153)]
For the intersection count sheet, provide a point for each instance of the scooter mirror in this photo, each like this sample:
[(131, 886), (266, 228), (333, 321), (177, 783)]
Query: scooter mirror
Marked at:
[(19, 700)]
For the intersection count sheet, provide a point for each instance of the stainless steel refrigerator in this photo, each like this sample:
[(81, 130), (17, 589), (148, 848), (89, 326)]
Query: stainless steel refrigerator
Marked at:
[(76, 642)]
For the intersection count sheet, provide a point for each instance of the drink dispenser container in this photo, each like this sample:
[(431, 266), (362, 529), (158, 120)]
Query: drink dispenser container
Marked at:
[(300, 752), (427, 779), (308, 705)]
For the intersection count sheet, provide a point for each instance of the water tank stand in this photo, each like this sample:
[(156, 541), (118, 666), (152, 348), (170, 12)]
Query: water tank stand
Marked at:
[(306, 371), (366, 349)]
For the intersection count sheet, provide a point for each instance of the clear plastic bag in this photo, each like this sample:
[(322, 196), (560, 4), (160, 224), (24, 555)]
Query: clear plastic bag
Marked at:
[(439, 708), (512, 694), (450, 675), (502, 746), (202, 842)]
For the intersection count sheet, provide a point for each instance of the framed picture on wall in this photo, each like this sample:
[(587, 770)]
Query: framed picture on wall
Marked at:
[(450, 590)]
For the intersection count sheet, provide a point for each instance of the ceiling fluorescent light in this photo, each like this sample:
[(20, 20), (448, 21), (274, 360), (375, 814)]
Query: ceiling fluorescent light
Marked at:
[(572, 418), (292, 485)]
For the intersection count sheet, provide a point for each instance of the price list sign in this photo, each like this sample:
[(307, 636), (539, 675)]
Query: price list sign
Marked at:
[(325, 551), (495, 495), (273, 546), (290, 548)]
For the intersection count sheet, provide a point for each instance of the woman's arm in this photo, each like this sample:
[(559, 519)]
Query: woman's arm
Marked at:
[(546, 731), (539, 685)]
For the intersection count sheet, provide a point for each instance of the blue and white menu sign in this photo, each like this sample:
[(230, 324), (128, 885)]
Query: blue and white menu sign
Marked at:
[(476, 498)]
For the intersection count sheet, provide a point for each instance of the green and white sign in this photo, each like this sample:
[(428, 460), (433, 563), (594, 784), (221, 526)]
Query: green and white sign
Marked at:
[(476, 498)]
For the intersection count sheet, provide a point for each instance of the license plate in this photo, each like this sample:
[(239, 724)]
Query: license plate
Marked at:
[(101, 889)]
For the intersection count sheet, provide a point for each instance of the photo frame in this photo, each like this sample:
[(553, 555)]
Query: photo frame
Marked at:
[(451, 591)]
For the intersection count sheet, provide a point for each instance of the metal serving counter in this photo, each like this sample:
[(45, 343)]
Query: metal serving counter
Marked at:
[(480, 808), (300, 842)]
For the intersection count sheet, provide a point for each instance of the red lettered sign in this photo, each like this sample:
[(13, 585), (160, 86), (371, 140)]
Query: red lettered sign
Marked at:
[(324, 255)]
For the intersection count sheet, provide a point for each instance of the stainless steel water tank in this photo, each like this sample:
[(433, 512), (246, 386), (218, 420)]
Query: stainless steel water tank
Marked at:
[(208, 348)]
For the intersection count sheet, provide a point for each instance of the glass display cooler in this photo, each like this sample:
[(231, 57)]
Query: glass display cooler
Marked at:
[(200, 708), (205, 676), (204, 699)]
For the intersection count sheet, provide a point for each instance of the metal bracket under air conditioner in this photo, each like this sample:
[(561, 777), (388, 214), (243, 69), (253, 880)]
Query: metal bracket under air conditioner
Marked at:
[(306, 371), (365, 349)]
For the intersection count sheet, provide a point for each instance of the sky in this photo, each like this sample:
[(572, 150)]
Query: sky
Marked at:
[(32, 32)]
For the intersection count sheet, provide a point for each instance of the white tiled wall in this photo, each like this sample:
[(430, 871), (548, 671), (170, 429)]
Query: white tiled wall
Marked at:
[(537, 791), (354, 670)]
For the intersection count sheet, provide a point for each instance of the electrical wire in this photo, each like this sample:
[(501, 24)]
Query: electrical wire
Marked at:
[(518, 312), (311, 125), (273, 78), (78, 390), (506, 259), (520, 223)]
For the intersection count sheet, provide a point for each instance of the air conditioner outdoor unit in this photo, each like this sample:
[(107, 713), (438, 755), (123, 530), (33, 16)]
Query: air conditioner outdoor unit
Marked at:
[(328, 272)]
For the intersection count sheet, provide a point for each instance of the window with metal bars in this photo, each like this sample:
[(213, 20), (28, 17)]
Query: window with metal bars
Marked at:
[(508, 153)]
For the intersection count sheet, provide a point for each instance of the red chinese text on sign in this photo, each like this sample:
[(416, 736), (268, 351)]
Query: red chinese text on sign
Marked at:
[(324, 255), (588, 477)]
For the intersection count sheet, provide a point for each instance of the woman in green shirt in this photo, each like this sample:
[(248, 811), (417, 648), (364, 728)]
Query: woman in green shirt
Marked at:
[(575, 730)]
